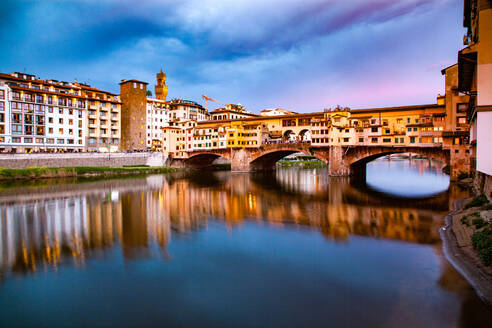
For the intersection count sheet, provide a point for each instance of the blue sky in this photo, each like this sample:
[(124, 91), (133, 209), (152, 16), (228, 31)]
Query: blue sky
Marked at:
[(300, 55)]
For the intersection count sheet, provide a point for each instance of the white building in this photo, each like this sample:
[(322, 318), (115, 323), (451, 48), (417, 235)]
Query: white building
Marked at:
[(38, 115), (157, 118)]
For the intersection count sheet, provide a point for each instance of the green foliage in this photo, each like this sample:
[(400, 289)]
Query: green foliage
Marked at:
[(462, 175), (464, 220), (63, 172), (479, 222), (304, 164), (477, 201), (446, 170), (149, 93), (482, 242)]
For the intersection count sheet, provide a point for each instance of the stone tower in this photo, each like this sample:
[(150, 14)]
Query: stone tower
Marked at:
[(161, 87), (133, 94)]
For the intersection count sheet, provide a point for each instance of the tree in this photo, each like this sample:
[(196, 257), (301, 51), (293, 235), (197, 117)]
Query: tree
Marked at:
[(149, 93)]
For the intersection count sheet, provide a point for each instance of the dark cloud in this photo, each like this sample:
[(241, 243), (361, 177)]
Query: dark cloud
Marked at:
[(273, 51)]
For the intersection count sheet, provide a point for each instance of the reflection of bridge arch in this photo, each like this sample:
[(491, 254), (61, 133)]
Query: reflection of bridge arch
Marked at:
[(357, 158)]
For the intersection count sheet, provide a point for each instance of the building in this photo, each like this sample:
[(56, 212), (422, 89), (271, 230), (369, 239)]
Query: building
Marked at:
[(276, 112), (230, 112), (144, 118), (161, 87), (180, 109), (157, 118), (133, 95), (177, 138), (39, 115), (103, 119), (475, 79)]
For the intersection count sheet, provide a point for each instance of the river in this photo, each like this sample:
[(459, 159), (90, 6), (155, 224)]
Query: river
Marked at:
[(288, 248)]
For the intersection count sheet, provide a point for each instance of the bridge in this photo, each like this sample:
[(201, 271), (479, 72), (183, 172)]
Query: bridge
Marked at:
[(341, 160)]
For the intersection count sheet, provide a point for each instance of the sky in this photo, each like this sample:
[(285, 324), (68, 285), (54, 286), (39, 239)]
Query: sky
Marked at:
[(300, 55)]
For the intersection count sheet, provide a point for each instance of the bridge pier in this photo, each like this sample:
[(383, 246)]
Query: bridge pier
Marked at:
[(337, 166), (240, 159)]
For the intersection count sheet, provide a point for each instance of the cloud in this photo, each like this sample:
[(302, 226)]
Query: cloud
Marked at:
[(278, 53)]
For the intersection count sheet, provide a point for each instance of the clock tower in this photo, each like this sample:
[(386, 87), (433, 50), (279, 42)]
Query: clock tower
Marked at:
[(161, 87)]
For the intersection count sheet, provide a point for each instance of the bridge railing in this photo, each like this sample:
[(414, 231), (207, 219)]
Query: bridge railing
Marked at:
[(277, 142)]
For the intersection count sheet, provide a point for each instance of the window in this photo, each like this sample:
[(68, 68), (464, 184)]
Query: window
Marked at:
[(374, 129), (17, 129), (27, 140), (60, 141), (16, 140), (2, 105), (462, 108), (412, 139), (386, 140), (60, 120), (16, 118), (2, 94)]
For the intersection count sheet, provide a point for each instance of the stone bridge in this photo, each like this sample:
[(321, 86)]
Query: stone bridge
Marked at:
[(341, 160)]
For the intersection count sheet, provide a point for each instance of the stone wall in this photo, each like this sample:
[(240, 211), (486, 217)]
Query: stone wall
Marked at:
[(22, 161), (483, 184)]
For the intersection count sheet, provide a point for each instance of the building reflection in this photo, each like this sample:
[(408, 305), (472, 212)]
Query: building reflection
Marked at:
[(69, 223)]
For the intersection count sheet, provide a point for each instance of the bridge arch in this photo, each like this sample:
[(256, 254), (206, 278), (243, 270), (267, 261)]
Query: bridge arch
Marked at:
[(205, 159), (357, 159), (289, 135), (267, 159), (305, 135)]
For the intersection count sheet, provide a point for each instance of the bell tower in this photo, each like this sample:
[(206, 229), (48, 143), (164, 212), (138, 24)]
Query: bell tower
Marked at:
[(161, 87)]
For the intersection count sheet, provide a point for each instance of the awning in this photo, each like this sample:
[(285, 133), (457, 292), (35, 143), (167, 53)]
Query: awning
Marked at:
[(467, 63)]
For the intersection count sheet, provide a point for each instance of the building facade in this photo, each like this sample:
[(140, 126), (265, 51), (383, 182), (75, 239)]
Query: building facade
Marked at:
[(475, 79), (38, 115), (52, 116)]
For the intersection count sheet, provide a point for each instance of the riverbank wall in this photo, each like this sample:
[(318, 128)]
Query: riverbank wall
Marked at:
[(113, 160), (458, 250), (483, 184)]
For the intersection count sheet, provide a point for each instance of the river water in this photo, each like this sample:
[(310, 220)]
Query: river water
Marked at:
[(289, 248)]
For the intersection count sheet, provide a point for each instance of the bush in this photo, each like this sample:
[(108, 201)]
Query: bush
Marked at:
[(446, 170), (464, 220), (462, 175), (477, 201), (486, 256), (479, 223), (482, 242)]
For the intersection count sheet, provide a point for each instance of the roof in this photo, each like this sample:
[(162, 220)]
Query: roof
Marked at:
[(467, 61), (443, 71), (137, 81)]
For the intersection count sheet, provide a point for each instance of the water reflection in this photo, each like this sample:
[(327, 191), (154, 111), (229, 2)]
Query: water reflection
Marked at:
[(285, 248), (405, 177), (40, 228)]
